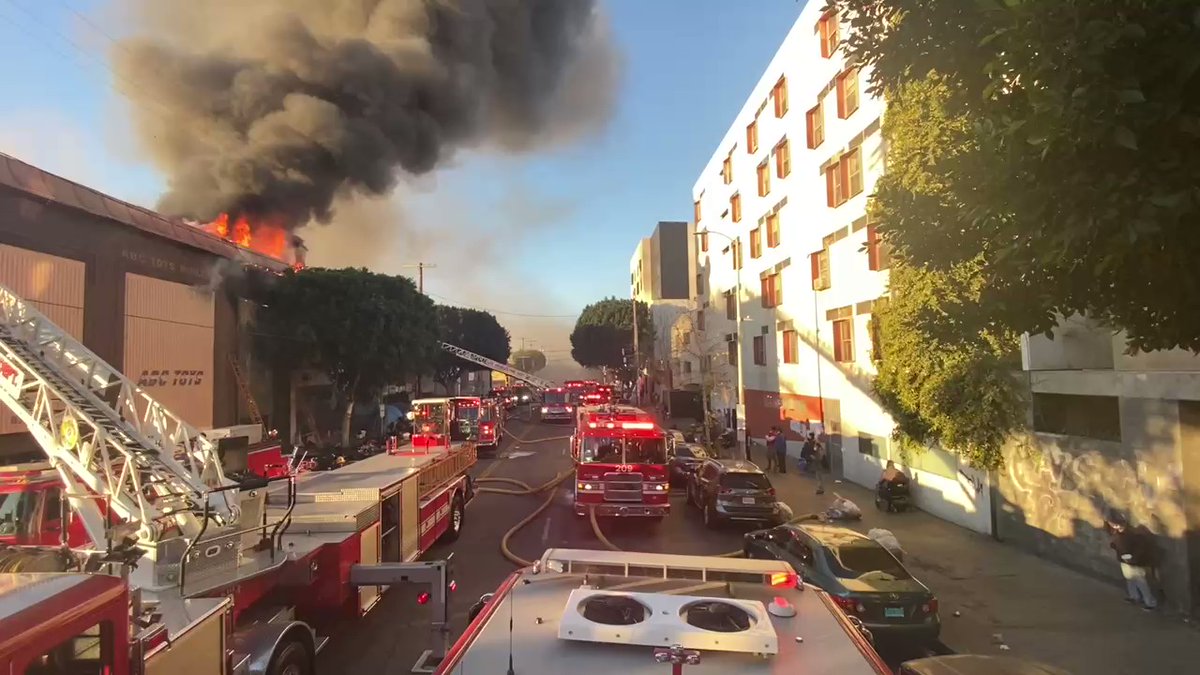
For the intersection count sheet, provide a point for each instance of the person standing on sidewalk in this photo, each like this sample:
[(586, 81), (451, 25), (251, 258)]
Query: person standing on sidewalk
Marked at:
[(770, 440), (780, 448), (818, 464), (1134, 553)]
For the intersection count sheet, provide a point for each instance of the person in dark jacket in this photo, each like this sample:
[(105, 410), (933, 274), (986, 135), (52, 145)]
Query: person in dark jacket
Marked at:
[(1135, 552), (780, 450)]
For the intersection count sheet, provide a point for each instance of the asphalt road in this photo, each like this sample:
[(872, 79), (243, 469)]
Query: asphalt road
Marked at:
[(391, 638)]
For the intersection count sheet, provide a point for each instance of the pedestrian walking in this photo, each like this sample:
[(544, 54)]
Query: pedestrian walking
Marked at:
[(820, 457), (1135, 553), (780, 448), (770, 441), (807, 451)]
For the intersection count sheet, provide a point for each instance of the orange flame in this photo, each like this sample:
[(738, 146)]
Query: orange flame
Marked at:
[(259, 235)]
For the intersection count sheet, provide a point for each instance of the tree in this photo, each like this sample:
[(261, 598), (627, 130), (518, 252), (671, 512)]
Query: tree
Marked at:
[(365, 330), (1073, 185), (527, 360), (473, 330), (604, 331)]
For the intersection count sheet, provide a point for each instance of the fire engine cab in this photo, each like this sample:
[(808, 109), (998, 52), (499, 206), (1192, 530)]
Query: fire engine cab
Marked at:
[(621, 463), (193, 572)]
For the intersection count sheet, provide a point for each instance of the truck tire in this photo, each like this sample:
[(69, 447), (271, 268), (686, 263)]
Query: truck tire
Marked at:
[(458, 516), (291, 659)]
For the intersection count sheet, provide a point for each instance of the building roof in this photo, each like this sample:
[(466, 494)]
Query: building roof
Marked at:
[(44, 185)]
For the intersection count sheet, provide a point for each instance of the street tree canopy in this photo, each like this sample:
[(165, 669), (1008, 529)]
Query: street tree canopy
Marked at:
[(366, 330), (527, 360), (605, 328), (473, 330), (1074, 183)]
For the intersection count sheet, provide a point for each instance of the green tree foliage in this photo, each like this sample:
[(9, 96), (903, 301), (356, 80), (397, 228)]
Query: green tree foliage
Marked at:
[(1074, 183), (365, 330), (473, 330), (605, 328), (527, 360)]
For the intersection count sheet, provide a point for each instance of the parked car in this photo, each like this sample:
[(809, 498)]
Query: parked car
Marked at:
[(684, 458), (675, 437), (734, 490), (861, 576)]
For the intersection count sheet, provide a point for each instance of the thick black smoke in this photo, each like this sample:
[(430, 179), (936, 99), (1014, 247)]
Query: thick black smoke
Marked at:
[(279, 106)]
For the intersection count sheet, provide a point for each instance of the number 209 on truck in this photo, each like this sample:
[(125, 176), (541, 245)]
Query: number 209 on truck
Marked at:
[(621, 464)]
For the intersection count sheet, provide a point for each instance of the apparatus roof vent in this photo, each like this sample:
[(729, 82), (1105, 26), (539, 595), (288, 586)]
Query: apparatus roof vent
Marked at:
[(657, 620)]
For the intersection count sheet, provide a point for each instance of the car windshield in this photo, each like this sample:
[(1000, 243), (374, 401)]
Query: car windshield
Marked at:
[(693, 451), (851, 561), (469, 413), (745, 481), (486, 414), (645, 451), (16, 512), (600, 450), (556, 397)]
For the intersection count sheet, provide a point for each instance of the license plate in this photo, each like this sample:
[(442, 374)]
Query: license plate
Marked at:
[(893, 612), (747, 500)]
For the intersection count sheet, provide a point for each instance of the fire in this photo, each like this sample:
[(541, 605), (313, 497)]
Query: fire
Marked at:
[(260, 235)]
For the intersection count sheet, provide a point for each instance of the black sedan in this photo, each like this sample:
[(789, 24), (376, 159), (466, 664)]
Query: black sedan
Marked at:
[(683, 459), (862, 576)]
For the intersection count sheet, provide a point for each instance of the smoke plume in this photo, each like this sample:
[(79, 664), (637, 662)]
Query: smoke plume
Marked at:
[(281, 107)]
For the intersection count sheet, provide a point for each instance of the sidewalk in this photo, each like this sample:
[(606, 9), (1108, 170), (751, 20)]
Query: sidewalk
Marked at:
[(1040, 610)]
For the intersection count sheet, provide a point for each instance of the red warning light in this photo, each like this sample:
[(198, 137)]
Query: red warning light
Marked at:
[(784, 580), (453, 585), (423, 598)]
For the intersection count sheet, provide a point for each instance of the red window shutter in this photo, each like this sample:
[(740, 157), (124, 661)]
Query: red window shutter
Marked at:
[(830, 197), (763, 292), (837, 341), (841, 96), (778, 288)]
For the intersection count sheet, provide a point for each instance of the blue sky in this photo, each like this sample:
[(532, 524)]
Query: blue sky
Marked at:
[(562, 224)]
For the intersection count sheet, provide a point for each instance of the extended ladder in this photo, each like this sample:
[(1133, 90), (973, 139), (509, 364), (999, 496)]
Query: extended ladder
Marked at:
[(108, 439), (497, 366), (244, 387)]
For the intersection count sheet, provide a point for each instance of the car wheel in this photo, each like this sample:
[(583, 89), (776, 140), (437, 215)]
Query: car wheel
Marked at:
[(710, 516), (291, 659)]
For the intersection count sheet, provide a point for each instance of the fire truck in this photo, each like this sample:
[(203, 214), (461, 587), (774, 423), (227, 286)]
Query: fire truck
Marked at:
[(557, 405), (468, 419), (601, 612), (621, 463), (193, 573)]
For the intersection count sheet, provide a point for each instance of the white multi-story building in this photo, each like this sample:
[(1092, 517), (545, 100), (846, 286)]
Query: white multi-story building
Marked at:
[(660, 274), (781, 209)]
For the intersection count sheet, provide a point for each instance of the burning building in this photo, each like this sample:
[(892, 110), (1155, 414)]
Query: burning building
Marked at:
[(149, 294)]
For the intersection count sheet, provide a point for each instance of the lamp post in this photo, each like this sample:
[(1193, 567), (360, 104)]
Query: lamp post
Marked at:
[(735, 249)]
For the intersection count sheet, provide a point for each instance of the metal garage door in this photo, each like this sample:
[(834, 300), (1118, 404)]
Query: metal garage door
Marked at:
[(169, 344), (55, 287)]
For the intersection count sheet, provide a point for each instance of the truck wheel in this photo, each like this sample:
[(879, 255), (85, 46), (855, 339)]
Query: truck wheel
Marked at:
[(457, 516), (292, 659)]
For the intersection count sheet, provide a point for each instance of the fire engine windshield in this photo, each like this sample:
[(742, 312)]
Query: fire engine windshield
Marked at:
[(645, 451), (601, 450), (469, 413), (555, 397)]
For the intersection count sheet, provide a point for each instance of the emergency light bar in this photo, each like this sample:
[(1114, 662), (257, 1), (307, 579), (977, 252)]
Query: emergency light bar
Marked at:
[(624, 425)]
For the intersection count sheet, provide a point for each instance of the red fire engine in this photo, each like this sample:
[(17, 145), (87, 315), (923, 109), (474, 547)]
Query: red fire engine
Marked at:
[(200, 574), (468, 419), (621, 463)]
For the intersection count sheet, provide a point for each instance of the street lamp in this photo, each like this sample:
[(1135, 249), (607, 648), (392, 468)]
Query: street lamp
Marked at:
[(735, 249)]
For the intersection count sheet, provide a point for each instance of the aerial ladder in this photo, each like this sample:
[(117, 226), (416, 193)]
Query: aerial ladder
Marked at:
[(497, 366), (106, 437)]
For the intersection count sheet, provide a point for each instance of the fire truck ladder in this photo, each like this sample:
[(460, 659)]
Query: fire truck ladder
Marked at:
[(244, 387), (108, 439), (497, 366)]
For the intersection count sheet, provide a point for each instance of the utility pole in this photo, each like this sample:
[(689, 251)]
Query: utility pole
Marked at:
[(421, 267)]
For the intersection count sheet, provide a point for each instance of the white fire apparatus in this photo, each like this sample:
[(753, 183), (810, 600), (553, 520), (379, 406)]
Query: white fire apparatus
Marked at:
[(186, 572), (601, 612)]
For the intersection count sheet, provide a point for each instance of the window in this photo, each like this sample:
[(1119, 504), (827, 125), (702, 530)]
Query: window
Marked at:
[(1097, 417), (844, 179), (727, 170), (687, 367), (735, 208), (783, 159), (730, 306), (88, 653), (699, 319), (760, 350), (772, 290), (773, 230), (853, 560), (815, 122), (791, 346), (752, 137), (764, 179), (827, 27), (843, 341), (699, 284), (847, 93), (696, 210), (731, 352), (820, 269), (704, 242), (877, 253), (756, 242), (779, 93)]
